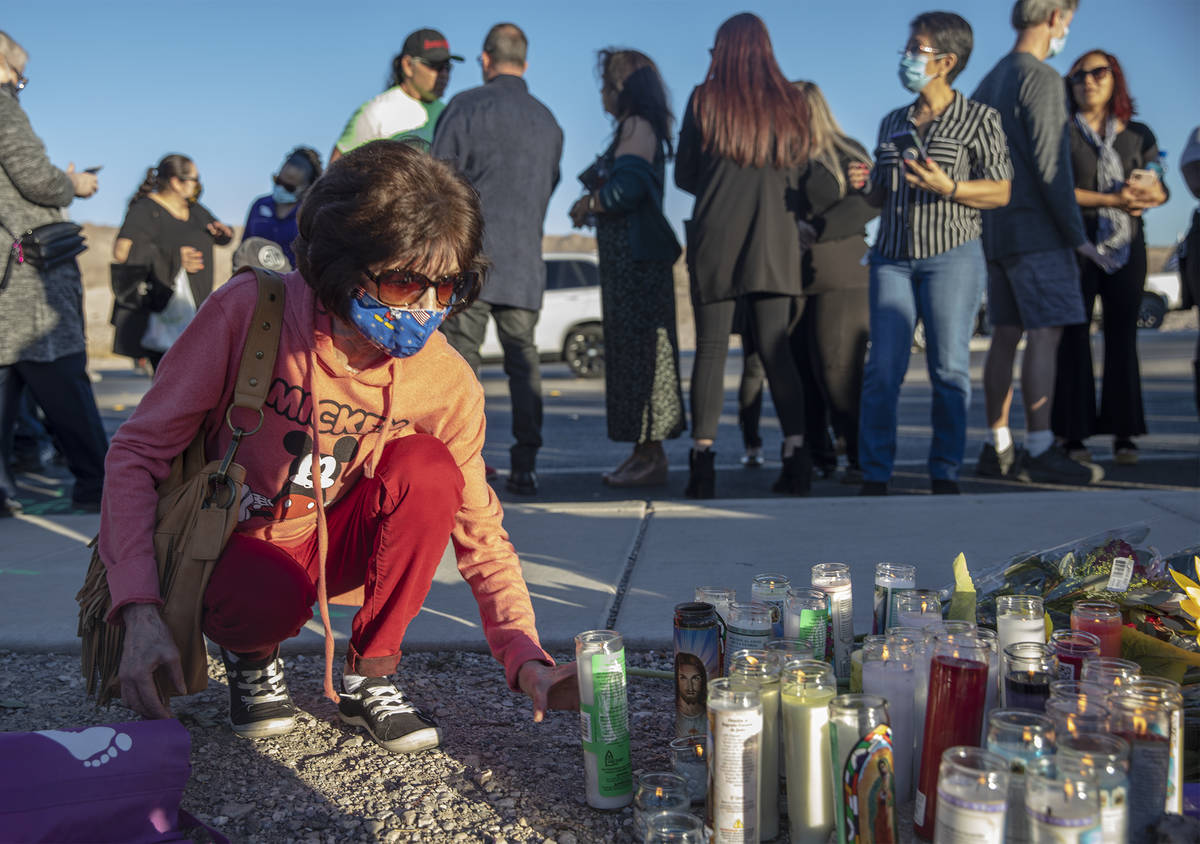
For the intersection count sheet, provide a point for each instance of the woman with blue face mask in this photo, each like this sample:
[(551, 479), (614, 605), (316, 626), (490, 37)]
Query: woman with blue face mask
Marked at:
[(274, 216), (939, 161)]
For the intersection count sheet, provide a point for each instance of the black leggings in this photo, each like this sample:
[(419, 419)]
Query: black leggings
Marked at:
[(772, 316)]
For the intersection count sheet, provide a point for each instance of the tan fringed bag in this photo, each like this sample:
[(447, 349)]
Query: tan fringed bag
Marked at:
[(197, 511)]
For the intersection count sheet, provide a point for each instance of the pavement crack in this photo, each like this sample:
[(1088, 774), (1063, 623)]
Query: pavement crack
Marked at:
[(614, 608), (1174, 511)]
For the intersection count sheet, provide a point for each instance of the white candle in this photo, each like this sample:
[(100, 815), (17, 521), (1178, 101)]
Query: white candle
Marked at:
[(735, 733), (1019, 618), (895, 681), (890, 577), (604, 718)]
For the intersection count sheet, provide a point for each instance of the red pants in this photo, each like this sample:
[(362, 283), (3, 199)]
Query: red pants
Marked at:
[(386, 534)]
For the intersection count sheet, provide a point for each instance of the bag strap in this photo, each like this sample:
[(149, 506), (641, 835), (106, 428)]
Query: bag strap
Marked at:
[(262, 342)]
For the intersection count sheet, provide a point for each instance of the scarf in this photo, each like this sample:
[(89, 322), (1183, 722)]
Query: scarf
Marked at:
[(1116, 226)]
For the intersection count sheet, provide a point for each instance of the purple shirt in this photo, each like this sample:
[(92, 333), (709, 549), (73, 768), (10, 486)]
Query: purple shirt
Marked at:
[(262, 222)]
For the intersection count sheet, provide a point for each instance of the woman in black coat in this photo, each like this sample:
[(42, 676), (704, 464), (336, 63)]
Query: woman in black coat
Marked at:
[(742, 150)]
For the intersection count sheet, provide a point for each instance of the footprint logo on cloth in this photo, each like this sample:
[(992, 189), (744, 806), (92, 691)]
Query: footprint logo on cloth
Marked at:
[(94, 746)]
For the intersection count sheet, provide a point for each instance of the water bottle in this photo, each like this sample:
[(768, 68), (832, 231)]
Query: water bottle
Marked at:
[(1159, 167)]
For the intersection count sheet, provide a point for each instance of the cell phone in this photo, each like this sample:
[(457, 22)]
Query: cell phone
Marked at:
[(909, 145), (94, 170), (1143, 178)]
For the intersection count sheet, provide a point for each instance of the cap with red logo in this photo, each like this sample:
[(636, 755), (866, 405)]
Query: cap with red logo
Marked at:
[(430, 45)]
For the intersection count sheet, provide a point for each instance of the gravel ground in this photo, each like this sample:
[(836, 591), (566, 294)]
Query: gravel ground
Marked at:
[(498, 777)]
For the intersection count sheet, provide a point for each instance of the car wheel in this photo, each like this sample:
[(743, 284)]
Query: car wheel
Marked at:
[(584, 351), (1151, 311)]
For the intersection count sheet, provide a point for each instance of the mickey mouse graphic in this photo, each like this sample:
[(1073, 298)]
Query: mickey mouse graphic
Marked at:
[(298, 496)]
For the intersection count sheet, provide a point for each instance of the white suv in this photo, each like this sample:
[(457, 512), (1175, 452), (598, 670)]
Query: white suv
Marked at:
[(569, 326)]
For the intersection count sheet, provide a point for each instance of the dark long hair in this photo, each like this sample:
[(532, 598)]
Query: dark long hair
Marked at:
[(640, 91), (157, 177), (746, 110), (1120, 105)]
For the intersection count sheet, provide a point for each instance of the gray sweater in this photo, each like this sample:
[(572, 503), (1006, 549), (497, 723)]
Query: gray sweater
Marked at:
[(1042, 214), (41, 314)]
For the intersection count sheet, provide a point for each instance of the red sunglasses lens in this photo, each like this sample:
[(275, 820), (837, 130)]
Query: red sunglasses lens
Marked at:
[(406, 288)]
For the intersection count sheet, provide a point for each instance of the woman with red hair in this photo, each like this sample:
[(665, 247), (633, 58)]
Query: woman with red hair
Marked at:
[(1114, 159), (743, 147)]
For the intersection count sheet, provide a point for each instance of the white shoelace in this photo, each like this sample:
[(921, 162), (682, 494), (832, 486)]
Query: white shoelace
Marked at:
[(386, 700), (262, 685)]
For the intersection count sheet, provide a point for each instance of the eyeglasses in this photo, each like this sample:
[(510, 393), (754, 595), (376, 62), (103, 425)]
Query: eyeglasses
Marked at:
[(1098, 74), (406, 287), (913, 49), (22, 81), (195, 178), (436, 67)]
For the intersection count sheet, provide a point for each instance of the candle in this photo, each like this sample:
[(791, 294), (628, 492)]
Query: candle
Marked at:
[(719, 596), (989, 638), (1168, 695), (954, 715), (756, 668), (735, 725), (1112, 674), (889, 579), (748, 626), (1072, 647), (972, 796), (1145, 724), (1108, 756), (834, 580), (1101, 618), (807, 688), (604, 718), (806, 618), (697, 660), (689, 760), (1020, 618), (1023, 739), (771, 589), (921, 640), (860, 752), (674, 828), (1078, 716), (658, 791), (917, 608), (889, 672), (1028, 669), (873, 642), (1063, 807)]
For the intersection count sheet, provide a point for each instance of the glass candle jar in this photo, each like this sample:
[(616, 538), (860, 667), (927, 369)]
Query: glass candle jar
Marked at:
[(1020, 618), (917, 608), (871, 642), (674, 827), (1071, 689), (989, 638), (921, 641), (1102, 619), (1169, 695), (783, 650), (734, 761), (1077, 716), (689, 759), (1029, 668), (889, 672), (806, 618), (604, 718), (1063, 806), (758, 669), (834, 580), (771, 589), (719, 596), (748, 626), (860, 750), (1145, 723), (1108, 756), (807, 688), (972, 797), (1072, 647), (1023, 739), (1111, 673), (658, 791), (890, 578), (697, 641)]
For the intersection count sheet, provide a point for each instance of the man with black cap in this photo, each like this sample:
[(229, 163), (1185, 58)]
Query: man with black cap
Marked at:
[(410, 107), (508, 145)]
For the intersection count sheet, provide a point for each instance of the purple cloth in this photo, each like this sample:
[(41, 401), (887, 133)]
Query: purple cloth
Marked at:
[(262, 222)]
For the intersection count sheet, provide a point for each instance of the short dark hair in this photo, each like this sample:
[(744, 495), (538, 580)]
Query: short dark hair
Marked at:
[(506, 44), (947, 33), (386, 203), (306, 158)]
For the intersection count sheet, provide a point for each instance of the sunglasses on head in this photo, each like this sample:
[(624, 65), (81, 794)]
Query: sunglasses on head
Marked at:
[(406, 287), (1098, 74)]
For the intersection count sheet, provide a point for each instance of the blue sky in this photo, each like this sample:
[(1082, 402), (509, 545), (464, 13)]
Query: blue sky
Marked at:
[(236, 85)]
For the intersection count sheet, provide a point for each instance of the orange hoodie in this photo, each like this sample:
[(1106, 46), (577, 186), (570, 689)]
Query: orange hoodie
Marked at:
[(353, 413)]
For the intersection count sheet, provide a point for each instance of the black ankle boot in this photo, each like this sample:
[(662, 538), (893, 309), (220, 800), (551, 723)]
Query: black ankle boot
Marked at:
[(702, 477), (796, 477)]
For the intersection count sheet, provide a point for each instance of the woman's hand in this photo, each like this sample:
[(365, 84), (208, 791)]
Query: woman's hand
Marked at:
[(191, 258), (549, 687), (220, 231), (580, 211), (858, 174), (148, 647), (84, 184), (928, 175), (808, 234)]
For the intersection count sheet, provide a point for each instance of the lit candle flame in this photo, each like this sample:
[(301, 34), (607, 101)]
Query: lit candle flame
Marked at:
[(658, 793), (699, 751), (1139, 725)]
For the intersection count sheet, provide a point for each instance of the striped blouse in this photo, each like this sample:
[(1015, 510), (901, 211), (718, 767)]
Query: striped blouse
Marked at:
[(968, 143)]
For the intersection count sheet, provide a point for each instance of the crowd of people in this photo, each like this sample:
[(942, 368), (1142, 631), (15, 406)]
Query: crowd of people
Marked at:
[(1031, 188)]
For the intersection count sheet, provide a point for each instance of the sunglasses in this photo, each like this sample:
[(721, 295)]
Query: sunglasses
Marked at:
[(1098, 74), (406, 287), (286, 186), (436, 67)]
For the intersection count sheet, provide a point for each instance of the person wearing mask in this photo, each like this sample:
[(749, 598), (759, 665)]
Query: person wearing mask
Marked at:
[(643, 397), (508, 145), (42, 344), (390, 245), (410, 107), (1189, 263), (1110, 154), (169, 232), (273, 217), (830, 341), (743, 146), (1031, 246), (938, 162)]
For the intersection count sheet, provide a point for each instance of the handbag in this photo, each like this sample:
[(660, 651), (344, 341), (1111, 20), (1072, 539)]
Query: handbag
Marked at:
[(198, 505), (43, 247), (164, 327), (136, 288), (116, 782)]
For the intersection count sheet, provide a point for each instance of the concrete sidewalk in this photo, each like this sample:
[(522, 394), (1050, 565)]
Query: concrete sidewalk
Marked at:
[(626, 564)]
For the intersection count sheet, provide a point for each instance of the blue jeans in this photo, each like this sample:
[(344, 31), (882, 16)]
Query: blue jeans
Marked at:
[(945, 291)]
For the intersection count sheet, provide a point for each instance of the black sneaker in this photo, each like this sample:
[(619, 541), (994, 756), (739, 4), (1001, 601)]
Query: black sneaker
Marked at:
[(259, 705), (389, 716), (1054, 466), (995, 464)]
